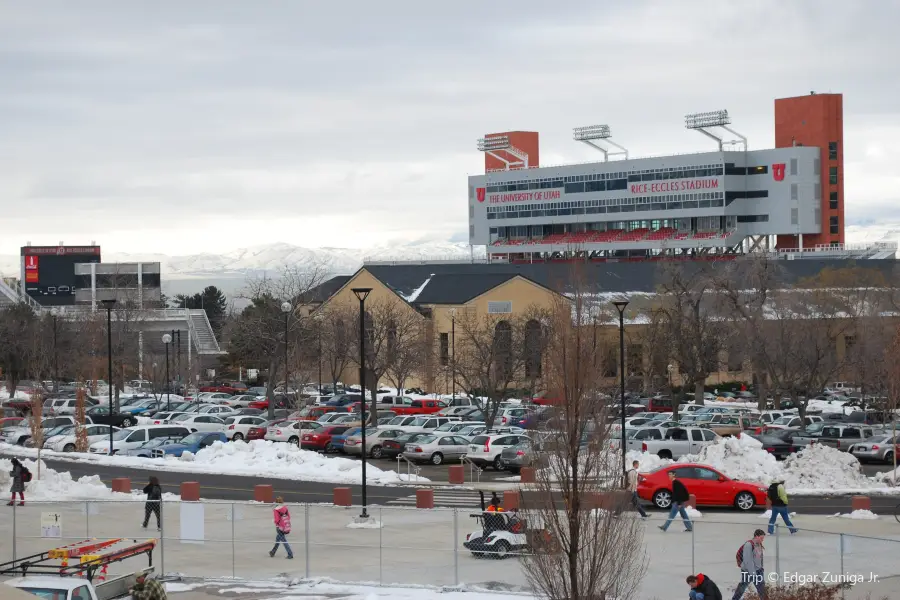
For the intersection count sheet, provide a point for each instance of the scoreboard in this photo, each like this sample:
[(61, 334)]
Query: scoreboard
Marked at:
[(48, 272)]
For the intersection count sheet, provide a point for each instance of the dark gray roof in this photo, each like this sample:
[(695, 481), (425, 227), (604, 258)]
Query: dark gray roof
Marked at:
[(326, 290), (616, 277), (459, 288)]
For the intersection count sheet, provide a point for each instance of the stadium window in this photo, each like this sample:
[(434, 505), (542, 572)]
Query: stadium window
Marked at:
[(833, 201), (795, 216), (832, 150), (793, 166), (832, 175), (574, 188), (794, 192), (833, 224)]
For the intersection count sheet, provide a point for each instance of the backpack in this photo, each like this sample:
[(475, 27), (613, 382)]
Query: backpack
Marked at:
[(773, 493), (284, 523), (26, 475), (739, 556)]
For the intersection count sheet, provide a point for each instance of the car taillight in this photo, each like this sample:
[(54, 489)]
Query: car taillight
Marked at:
[(644, 447), (504, 420), (874, 446), (231, 427), (315, 437), (520, 453), (487, 445), (277, 432), (770, 450), (792, 449), (838, 444), (417, 449)]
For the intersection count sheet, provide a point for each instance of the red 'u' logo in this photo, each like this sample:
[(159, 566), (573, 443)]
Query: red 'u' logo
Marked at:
[(778, 171), (479, 193)]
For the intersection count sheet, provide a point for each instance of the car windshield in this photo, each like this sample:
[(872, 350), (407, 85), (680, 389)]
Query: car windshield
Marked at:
[(183, 417), (427, 439), (446, 427), (419, 421), (480, 439), (157, 442), (61, 430), (229, 420), (782, 421), (122, 434), (194, 438), (397, 421)]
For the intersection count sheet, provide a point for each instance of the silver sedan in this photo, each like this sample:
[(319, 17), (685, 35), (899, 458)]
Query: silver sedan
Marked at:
[(436, 448), (880, 448)]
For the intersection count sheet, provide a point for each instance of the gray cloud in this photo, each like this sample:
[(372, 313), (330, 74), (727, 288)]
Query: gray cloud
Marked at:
[(121, 118)]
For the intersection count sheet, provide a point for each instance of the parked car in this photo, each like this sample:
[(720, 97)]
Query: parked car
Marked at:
[(290, 431), (128, 439), (143, 407), (390, 402), (485, 450), (236, 428), (9, 422), (337, 440), (344, 399), (456, 426), (241, 400), (391, 448), (711, 487), (200, 422), (436, 448), (320, 439), (20, 435), (878, 448), (523, 454), (512, 416), (164, 417), (424, 424), (679, 441), (191, 443), (67, 441), (375, 440), (229, 387), (314, 413), (844, 436), (102, 416), (776, 445), (420, 407), (145, 449), (219, 411), (792, 421)]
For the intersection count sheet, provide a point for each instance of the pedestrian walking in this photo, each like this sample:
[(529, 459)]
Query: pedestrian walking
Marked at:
[(632, 481), (282, 518), (703, 588), (779, 499), (680, 496), (147, 589), (20, 475), (750, 560), (153, 504)]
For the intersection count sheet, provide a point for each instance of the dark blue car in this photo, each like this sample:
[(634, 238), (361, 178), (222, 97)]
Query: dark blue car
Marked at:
[(192, 443), (337, 441)]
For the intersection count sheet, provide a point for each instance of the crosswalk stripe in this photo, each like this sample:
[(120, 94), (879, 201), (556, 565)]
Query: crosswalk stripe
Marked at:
[(452, 498)]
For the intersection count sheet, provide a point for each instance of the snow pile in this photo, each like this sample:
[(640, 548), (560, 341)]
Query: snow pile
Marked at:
[(649, 462), (823, 467), (859, 515), (53, 485), (269, 459), (740, 458)]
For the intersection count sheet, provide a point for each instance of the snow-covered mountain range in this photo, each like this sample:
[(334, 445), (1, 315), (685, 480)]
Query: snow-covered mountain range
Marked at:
[(187, 273)]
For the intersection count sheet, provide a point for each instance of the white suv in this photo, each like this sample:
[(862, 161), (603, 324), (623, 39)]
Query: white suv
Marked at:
[(485, 449), (422, 424)]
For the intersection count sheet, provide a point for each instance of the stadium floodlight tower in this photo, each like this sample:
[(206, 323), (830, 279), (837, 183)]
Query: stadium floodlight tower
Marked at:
[(591, 134), (705, 121), (497, 144)]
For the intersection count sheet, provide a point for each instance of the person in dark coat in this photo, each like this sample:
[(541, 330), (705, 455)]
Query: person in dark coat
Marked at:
[(703, 588), (680, 497), (154, 495), (18, 482)]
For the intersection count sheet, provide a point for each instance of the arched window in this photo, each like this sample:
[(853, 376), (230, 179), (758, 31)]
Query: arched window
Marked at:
[(503, 360), (533, 349)]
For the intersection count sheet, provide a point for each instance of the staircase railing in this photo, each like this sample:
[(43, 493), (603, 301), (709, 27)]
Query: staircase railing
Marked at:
[(411, 469), (474, 470)]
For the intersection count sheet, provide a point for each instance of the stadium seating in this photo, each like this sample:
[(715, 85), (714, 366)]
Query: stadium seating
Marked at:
[(632, 236), (663, 233), (705, 235)]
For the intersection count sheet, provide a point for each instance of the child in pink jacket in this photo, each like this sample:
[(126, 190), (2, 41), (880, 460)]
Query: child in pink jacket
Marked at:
[(282, 518)]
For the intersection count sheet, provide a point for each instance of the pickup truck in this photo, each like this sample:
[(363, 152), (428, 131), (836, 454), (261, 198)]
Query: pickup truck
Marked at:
[(71, 588), (420, 407), (844, 436), (680, 441)]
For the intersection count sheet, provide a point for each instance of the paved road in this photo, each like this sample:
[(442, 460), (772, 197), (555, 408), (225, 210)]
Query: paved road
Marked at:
[(231, 487)]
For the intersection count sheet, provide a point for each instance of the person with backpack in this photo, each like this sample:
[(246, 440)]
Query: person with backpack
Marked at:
[(631, 482), (680, 496), (703, 588), (20, 476), (779, 499), (282, 527), (749, 559), (152, 506)]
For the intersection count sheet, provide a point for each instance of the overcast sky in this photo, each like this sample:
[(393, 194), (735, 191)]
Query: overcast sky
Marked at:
[(181, 127)]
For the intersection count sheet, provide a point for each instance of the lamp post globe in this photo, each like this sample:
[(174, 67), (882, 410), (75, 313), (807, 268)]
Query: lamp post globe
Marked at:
[(286, 307)]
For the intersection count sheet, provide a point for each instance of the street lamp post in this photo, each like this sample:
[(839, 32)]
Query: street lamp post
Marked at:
[(620, 306), (167, 339), (286, 308), (453, 350), (108, 305), (54, 313), (361, 295), (319, 343)]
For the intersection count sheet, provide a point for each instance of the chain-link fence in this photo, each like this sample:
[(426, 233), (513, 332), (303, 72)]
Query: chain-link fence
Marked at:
[(413, 546)]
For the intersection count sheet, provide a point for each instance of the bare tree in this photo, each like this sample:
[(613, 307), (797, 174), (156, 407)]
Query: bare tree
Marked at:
[(257, 335), (892, 400), (696, 329), (408, 353), (393, 331), (492, 352), (81, 437), (334, 330), (589, 548), (19, 352)]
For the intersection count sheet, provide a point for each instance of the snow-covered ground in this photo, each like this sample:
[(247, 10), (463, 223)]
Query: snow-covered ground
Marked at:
[(817, 469), (258, 458), (53, 485), (308, 589)]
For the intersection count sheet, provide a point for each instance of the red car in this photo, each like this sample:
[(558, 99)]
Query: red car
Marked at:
[(320, 439), (711, 487), (228, 387), (420, 407), (256, 433)]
